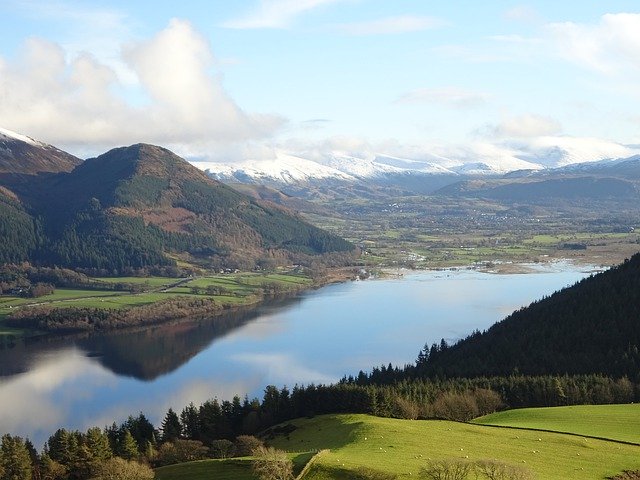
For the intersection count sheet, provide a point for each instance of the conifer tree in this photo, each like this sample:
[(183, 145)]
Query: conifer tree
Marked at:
[(171, 428), (15, 461), (127, 448)]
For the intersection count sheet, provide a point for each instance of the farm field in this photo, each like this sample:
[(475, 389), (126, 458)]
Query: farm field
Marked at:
[(227, 289), (617, 422), (404, 446)]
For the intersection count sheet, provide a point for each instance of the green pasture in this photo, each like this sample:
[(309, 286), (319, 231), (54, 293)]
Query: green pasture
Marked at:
[(228, 469), (231, 469), (237, 289), (404, 446), (617, 422), (151, 281)]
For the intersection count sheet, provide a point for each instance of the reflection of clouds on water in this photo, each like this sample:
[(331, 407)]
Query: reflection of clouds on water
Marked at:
[(263, 327), (38, 401), (281, 369)]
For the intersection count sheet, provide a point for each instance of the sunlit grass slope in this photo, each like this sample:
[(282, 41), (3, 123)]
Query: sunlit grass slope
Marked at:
[(618, 422), (231, 469), (404, 446), (228, 469)]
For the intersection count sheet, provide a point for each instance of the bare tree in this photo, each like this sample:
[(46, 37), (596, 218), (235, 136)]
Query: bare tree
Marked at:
[(272, 464), (447, 470)]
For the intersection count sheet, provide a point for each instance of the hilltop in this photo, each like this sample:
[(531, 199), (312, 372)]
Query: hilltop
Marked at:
[(140, 206)]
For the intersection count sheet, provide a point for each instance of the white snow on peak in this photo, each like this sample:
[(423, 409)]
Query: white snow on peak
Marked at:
[(562, 151), (284, 168), (360, 167), (9, 135), (421, 166)]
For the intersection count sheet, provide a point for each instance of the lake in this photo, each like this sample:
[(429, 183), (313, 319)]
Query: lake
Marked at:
[(317, 337)]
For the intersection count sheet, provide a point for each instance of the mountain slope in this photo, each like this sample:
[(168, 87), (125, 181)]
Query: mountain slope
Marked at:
[(20, 154), (541, 189), (141, 206), (591, 327), (133, 205)]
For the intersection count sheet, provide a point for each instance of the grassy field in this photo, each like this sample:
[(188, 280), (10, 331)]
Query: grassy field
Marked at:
[(229, 289), (404, 446), (229, 469), (618, 422), (151, 281)]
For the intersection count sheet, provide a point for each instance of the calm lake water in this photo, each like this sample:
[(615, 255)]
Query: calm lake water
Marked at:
[(319, 336)]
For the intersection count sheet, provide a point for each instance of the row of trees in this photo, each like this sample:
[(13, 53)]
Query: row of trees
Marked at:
[(225, 428), (90, 459)]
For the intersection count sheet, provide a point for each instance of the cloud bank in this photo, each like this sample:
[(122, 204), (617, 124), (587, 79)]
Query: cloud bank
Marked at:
[(78, 101)]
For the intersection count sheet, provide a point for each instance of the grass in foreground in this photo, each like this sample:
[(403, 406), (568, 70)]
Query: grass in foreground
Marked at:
[(229, 469), (404, 446), (617, 422)]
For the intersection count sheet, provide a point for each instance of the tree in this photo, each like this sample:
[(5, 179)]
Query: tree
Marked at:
[(171, 428), (272, 464), (97, 443), (121, 469), (190, 421), (51, 470), (141, 429), (246, 445), (128, 448), (221, 448), (446, 470), (15, 461), (495, 470)]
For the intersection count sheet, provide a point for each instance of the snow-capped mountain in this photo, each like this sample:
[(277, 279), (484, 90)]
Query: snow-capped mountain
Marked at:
[(23, 155), (336, 166), (8, 135), (553, 152), (284, 169)]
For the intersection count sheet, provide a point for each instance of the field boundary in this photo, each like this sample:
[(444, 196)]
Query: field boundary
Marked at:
[(513, 427), (309, 464)]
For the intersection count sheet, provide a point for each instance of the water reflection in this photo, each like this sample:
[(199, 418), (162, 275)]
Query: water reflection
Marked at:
[(145, 353), (319, 337)]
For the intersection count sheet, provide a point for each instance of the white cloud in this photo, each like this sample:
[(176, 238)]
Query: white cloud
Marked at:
[(391, 25), (452, 96), (72, 102), (29, 400), (283, 369), (527, 126), (276, 13), (611, 46), (556, 151)]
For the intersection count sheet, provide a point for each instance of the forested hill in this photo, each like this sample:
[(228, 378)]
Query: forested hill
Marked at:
[(142, 206), (591, 327)]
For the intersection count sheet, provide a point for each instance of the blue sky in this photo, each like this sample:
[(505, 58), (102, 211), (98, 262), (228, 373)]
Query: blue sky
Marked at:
[(220, 80)]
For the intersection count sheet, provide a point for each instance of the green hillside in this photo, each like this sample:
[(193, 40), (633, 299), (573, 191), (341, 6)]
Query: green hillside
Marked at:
[(617, 422), (404, 446), (591, 327), (143, 206), (231, 469)]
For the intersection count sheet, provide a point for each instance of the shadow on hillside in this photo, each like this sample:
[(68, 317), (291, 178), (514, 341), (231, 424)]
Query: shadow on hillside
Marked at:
[(317, 433)]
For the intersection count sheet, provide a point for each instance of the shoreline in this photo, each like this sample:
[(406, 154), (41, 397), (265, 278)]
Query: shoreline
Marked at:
[(116, 319)]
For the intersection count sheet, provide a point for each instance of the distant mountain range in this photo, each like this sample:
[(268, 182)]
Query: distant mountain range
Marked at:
[(335, 171), (135, 207)]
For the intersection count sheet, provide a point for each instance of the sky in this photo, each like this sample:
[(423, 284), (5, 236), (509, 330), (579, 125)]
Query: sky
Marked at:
[(225, 81)]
